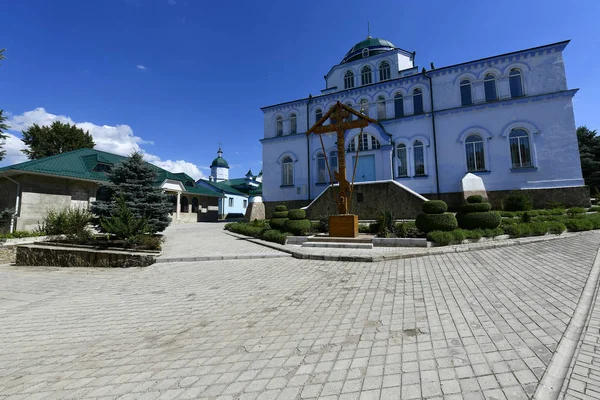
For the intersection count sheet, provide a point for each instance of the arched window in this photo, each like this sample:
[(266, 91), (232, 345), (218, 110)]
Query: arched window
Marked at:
[(466, 97), (419, 157), (195, 205), (402, 160), (520, 150), (183, 204), (489, 85), (475, 155), (364, 107), (398, 105), (384, 71), (279, 126), (418, 101), (381, 107), (293, 124), (287, 171), (333, 162), (321, 168), (367, 142), (516, 83), (318, 114), (348, 80), (365, 75)]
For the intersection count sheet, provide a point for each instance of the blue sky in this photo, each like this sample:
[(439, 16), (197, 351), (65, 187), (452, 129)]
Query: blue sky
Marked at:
[(176, 77)]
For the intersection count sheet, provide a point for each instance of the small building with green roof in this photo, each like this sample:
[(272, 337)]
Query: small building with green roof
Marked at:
[(77, 178)]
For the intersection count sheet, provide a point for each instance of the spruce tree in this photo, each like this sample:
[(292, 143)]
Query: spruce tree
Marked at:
[(133, 179)]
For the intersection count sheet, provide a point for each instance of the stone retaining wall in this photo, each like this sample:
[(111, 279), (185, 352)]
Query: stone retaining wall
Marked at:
[(55, 256), (8, 254)]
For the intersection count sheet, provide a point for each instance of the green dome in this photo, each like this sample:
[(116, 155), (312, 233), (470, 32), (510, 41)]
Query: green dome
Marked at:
[(375, 46), (219, 162)]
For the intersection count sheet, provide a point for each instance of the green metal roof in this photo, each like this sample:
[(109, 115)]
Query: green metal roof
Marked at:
[(79, 164), (226, 188), (375, 46)]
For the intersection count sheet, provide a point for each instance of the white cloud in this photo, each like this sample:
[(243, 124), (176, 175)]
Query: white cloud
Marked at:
[(142, 67), (118, 139)]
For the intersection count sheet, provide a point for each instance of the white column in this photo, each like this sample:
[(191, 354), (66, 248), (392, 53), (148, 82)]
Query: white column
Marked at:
[(178, 204)]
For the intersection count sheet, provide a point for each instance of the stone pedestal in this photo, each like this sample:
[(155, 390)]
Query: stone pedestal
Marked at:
[(343, 225), (256, 209)]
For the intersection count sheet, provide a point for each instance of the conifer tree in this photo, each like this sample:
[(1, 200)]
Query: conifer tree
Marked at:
[(133, 179)]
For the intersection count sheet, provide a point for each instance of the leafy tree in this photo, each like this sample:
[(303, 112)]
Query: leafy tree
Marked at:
[(3, 127), (134, 179), (589, 150), (44, 141)]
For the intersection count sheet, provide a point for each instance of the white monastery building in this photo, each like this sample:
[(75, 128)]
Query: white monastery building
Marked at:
[(507, 119)]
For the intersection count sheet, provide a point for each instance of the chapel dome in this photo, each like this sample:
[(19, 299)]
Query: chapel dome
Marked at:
[(374, 46), (219, 162)]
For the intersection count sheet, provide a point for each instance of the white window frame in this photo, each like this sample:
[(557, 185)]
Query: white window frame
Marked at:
[(385, 71), (463, 84), (471, 146), (413, 148), (381, 111), (519, 140), (519, 74), (287, 167), (493, 79), (417, 93), (293, 124), (366, 75), (279, 126), (406, 161), (349, 79), (398, 96), (231, 202)]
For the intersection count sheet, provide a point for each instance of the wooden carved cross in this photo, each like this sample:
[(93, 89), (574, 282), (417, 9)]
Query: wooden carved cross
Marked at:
[(341, 121)]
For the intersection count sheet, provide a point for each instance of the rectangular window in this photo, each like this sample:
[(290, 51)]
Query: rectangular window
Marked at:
[(288, 174), (231, 202), (465, 95), (475, 157), (419, 161), (321, 170), (520, 152), (245, 203), (402, 162)]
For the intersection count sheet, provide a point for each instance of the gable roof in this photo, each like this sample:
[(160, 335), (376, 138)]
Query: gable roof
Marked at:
[(80, 164)]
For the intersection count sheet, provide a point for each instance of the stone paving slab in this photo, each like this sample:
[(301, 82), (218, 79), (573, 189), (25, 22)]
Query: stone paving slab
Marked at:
[(467, 325)]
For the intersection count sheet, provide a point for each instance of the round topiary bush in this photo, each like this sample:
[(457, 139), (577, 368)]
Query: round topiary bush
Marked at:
[(278, 223), (436, 222), (517, 201), (478, 220), (297, 226), (280, 214), (434, 207), (280, 208), (474, 199), (296, 214), (475, 207)]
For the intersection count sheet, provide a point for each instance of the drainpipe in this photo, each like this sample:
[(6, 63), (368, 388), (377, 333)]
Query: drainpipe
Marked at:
[(435, 157), (308, 143), (17, 204)]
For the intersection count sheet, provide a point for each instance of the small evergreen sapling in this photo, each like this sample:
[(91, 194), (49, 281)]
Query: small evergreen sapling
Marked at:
[(122, 222)]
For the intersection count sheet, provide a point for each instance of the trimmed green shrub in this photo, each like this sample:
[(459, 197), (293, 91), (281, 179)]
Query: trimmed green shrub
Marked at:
[(434, 207), (579, 224), (556, 227), (517, 201), (297, 226), (323, 224), (296, 214), (475, 207), (280, 214), (474, 199), (526, 217), (407, 230), (517, 230), (440, 237), (458, 235), (482, 220), (574, 211), (493, 232), (386, 224), (538, 228), (594, 209), (278, 223), (244, 228), (280, 207), (509, 221), (273, 235), (436, 222), (595, 219)]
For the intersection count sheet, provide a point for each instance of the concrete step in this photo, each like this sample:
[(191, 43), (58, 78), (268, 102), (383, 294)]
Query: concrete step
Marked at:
[(338, 245), (327, 239)]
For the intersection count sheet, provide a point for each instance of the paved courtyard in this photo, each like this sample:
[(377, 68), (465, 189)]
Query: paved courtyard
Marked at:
[(473, 325)]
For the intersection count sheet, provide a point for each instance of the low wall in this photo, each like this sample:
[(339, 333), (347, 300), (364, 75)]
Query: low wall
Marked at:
[(56, 256), (8, 254), (578, 196), (369, 200)]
